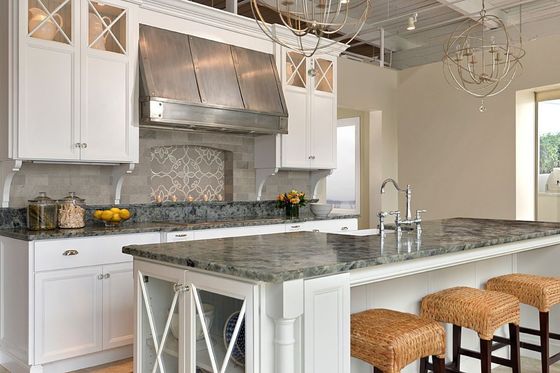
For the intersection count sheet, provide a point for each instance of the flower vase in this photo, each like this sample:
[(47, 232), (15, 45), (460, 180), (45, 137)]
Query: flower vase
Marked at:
[(292, 211)]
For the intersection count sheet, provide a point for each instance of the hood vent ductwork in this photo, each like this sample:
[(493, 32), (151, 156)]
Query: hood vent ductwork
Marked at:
[(197, 84)]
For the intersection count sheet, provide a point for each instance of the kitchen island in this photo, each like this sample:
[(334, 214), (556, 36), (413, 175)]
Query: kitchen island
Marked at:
[(295, 291)]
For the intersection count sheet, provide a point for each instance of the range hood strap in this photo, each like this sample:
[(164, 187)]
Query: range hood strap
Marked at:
[(236, 68), (196, 64)]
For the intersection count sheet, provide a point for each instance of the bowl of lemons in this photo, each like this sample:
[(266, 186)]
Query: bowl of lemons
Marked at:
[(112, 217)]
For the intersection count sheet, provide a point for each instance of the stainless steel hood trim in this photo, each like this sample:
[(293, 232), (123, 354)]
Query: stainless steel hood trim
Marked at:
[(208, 85)]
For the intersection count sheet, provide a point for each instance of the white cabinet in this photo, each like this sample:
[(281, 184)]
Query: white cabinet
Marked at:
[(77, 63), (81, 311), (309, 85), (327, 303), (68, 313), (118, 302), (310, 90)]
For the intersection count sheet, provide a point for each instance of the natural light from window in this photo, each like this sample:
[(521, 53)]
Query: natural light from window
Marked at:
[(343, 184)]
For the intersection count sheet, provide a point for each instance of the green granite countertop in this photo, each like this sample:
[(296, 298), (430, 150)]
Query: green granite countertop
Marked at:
[(288, 256), (165, 226)]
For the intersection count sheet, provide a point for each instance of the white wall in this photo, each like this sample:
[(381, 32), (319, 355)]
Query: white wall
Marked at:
[(365, 87), (462, 162)]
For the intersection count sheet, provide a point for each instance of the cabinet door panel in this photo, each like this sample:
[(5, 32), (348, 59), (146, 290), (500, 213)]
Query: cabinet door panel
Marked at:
[(118, 305), (295, 151), (47, 127), (68, 313), (106, 120), (323, 131)]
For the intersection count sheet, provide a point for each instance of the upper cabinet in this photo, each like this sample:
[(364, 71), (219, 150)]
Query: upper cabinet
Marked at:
[(76, 72), (310, 90)]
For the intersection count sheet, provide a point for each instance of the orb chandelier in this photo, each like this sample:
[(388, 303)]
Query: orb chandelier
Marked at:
[(481, 58), (322, 19)]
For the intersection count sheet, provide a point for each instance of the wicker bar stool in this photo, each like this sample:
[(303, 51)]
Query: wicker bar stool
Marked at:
[(479, 310), (537, 291), (390, 340)]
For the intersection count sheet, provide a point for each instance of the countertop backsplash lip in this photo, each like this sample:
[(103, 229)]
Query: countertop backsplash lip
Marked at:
[(163, 218), (97, 229)]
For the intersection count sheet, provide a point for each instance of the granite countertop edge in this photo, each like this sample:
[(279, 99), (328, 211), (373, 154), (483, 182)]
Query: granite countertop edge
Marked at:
[(158, 227), (263, 275)]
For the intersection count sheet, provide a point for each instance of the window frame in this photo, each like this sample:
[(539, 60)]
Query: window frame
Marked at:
[(347, 122)]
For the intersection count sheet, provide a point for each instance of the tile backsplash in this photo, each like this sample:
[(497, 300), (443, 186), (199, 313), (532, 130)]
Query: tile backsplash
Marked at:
[(95, 184)]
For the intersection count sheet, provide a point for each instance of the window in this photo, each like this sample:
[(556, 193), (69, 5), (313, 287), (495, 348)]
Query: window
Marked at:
[(343, 186), (548, 155)]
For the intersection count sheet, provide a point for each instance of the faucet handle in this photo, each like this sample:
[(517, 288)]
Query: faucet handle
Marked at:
[(419, 212), (397, 214), (382, 214)]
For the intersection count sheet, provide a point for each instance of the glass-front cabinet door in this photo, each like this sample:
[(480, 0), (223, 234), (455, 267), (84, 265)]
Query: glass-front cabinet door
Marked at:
[(107, 27), (50, 20), (161, 297), (323, 72), (223, 326), (193, 322)]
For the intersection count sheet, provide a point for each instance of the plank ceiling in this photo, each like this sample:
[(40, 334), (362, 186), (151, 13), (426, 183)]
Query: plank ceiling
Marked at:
[(437, 19)]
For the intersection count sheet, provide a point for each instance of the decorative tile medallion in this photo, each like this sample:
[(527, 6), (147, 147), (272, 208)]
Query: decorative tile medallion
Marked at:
[(182, 171)]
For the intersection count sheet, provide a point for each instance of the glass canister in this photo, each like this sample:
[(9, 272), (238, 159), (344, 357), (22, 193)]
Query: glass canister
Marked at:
[(71, 212), (41, 213)]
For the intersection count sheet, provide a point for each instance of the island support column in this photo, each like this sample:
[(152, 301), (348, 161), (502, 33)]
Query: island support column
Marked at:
[(284, 306)]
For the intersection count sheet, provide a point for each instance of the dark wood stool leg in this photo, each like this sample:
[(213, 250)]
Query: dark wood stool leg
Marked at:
[(457, 347), (515, 348), (545, 337), (439, 364), (485, 356), (375, 370), (423, 365)]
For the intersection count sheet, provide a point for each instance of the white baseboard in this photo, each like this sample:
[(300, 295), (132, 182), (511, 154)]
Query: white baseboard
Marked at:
[(15, 365)]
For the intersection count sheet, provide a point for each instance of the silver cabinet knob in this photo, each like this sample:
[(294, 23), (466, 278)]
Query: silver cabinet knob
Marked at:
[(84, 145), (78, 145), (107, 275), (100, 277), (316, 231), (70, 252)]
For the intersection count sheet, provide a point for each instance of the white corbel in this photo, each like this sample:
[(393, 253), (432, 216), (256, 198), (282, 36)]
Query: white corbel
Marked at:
[(8, 169), (261, 175), (315, 177), (119, 173)]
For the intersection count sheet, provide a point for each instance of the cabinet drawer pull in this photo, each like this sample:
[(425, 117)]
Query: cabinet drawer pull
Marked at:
[(181, 235), (295, 226), (344, 228), (70, 252), (316, 231)]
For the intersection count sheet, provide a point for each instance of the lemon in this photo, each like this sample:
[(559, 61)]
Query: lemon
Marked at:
[(107, 215), (115, 210), (125, 214), (97, 214), (116, 217)]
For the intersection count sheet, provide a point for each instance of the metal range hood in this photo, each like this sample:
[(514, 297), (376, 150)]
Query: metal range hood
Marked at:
[(197, 84)]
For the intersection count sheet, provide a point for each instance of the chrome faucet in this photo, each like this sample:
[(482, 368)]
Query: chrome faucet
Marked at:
[(408, 216)]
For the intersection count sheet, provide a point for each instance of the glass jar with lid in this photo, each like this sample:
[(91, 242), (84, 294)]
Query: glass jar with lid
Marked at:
[(71, 212), (41, 213)]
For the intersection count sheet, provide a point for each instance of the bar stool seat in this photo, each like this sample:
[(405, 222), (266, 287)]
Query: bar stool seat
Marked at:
[(475, 309), (390, 340), (540, 292), (483, 311), (537, 291)]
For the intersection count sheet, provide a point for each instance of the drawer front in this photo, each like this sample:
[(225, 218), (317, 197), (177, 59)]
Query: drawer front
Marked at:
[(331, 226), (206, 234), (179, 236), (87, 251)]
